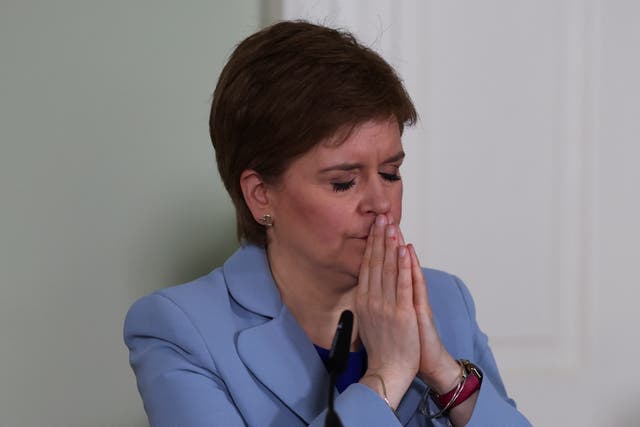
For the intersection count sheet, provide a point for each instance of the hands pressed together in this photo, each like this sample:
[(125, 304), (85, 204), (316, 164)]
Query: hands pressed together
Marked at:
[(395, 321)]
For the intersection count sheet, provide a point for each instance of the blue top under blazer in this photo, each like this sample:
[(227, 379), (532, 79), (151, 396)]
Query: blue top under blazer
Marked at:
[(223, 350)]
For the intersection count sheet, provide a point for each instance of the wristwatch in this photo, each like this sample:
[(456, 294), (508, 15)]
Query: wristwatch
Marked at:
[(469, 384)]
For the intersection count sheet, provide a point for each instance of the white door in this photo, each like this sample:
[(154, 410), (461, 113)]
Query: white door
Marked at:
[(522, 178)]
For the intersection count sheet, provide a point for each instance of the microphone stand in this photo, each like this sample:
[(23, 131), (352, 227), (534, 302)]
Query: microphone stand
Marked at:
[(338, 362)]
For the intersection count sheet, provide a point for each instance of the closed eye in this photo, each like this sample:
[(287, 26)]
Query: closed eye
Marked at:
[(391, 177), (343, 186)]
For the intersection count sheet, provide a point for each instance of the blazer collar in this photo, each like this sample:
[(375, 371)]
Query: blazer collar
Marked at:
[(249, 280)]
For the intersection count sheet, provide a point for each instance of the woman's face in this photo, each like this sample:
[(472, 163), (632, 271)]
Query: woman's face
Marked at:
[(326, 200)]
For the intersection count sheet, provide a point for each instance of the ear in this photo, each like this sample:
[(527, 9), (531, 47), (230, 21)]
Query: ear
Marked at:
[(254, 190)]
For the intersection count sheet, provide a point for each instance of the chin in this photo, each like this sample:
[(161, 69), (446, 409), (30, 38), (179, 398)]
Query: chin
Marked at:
[(347, 261), (353, 265)]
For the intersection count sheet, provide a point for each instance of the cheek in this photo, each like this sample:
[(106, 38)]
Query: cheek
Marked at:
[(329, 220), (396, 205), (323, 218)]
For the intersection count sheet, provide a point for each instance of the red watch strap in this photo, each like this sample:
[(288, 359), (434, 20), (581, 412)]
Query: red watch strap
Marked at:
[(470, 386)]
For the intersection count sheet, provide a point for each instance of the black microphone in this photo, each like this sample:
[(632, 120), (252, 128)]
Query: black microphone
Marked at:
[(338, 357)]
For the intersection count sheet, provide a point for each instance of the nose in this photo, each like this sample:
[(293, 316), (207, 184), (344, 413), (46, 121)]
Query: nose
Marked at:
[(376, 197)]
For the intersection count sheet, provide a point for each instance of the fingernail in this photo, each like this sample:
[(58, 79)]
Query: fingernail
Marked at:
[(380, 220), (391, 230), (402, 251)]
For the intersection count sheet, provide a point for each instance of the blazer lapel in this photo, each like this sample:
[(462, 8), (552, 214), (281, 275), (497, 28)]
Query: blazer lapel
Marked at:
[(277, 352), (281, 356)]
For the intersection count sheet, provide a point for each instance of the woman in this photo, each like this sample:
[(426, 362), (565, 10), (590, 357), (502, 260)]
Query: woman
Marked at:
[(306, 124)]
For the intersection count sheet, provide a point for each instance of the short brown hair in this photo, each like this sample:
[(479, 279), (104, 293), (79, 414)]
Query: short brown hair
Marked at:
[(285, 89)]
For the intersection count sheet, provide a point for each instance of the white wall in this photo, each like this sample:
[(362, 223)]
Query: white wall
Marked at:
[(522, 178), (108, 189)]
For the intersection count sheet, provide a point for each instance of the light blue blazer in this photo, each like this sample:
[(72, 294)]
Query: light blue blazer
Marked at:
[(223, 350)]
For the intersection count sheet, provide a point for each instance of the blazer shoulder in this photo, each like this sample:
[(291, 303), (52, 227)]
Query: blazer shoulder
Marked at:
[(205, 297), (444, 284), (209, 287), (438, 276), (451, 302)]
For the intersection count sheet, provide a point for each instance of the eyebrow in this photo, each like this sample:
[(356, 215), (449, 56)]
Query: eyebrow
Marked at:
[(352, 166)]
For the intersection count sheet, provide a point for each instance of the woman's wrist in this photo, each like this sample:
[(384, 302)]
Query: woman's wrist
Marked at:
[(391, 388), (445, 378), (459, 402)]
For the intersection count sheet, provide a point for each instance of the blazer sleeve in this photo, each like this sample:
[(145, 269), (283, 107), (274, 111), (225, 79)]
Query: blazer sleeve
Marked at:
[(166, 354), (358, 405), (493, 406)]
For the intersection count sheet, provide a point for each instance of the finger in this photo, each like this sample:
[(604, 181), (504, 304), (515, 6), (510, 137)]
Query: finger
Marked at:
[(363, 276), (377, 258), (404, 292), (420, 298), (390, 267)]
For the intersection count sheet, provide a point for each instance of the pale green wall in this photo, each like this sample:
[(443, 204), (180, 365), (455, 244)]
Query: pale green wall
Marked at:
[(108, 189)]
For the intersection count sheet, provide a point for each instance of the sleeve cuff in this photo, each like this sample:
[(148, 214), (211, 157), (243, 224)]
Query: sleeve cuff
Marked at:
[(492, 409), (358, 405)]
